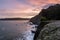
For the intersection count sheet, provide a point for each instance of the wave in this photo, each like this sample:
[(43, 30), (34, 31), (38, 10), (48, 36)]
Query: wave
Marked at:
[(29, 34)]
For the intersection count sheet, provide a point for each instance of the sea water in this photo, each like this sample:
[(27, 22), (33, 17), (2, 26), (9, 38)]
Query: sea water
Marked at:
[(17, 30)]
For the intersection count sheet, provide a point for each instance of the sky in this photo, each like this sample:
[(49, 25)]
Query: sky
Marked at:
[(23, 8)]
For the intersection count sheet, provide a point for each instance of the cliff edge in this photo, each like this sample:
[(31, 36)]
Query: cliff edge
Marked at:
[(44, 17)]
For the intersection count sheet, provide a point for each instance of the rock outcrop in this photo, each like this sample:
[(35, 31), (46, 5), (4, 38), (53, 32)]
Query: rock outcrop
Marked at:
[(36, 19), (44, 17), (50, 31), (51, 13)]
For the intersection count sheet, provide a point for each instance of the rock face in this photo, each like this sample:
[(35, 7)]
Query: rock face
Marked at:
[(36, 19), (51, 13), (50, 31), (43, 18)]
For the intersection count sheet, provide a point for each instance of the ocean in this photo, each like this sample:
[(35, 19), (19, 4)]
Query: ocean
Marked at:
[(16, 30)]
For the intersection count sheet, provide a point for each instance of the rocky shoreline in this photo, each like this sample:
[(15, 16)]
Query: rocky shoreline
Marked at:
[(45, 17)]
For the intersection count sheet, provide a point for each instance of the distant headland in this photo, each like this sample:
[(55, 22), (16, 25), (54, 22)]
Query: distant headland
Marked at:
[(14, 18)]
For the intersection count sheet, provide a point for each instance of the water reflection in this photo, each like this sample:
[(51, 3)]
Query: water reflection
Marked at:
[(15, 30)]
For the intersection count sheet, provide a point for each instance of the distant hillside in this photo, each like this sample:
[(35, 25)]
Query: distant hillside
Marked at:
[(15, 19)]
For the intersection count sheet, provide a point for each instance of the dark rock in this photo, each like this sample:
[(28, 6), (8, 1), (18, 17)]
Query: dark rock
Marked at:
[(51, 31), (45, 16), (33, 31), (51, 13), (39, 28), (36, 19)]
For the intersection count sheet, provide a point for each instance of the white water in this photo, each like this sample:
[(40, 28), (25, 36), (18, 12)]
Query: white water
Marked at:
[(28, 35), (21, 29)]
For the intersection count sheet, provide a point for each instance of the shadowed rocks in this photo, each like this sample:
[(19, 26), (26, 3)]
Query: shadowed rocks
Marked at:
[(49, 14), (51, 31)]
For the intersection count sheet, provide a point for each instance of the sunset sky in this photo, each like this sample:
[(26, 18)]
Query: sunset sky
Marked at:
[(23, 8)]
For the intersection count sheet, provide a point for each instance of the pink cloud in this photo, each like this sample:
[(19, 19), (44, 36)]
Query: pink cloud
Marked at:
[(15, 7), (42, 2), (12, 8)]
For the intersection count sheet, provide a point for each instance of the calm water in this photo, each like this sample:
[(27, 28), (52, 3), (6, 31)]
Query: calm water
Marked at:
[(16, 30)]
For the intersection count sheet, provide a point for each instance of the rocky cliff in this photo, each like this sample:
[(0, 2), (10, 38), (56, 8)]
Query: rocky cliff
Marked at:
[(51, 13), (51, 31), (44, 17)]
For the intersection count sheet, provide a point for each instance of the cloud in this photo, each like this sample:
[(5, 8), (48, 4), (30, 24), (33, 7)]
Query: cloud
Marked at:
[(27, 13), (21, 8), (14, 6), (42, 2)]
